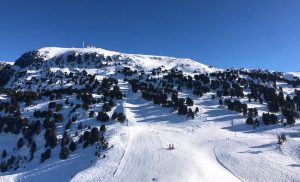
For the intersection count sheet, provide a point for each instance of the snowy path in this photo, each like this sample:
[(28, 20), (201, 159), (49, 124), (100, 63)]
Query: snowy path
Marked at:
[(146, 157)]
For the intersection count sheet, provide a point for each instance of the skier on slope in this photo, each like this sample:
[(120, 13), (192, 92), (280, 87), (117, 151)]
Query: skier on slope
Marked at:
[(171, 147)]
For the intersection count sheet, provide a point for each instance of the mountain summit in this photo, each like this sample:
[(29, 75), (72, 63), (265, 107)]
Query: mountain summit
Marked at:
[(97, 57)]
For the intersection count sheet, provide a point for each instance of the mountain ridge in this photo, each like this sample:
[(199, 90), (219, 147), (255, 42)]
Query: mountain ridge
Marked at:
[(51, 53)]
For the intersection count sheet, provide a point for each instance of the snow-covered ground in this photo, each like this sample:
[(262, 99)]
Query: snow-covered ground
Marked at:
[(137, 61), (215, 146), (291, 75), (218, 147)]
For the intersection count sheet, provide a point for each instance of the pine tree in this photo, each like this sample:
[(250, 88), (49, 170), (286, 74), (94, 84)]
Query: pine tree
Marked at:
[(95, 135), (4, 154), (20, 143), (91, 114), (221, 102), (189, 102), (72, 146), (249, 121), (102, 128), (121, 117), (65, 139), (46, 155), (64, 153), (102, 116), (51, 138)]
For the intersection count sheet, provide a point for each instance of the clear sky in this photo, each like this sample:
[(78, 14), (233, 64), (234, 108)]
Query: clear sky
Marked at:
[(222, 33)]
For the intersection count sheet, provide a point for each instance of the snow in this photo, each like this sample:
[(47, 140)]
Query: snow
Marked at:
[(292, 75), (51, 52), (188, 162), (7, 62), (63, 70), (215, 146), (215, 149), (140, 62), (3, 97)]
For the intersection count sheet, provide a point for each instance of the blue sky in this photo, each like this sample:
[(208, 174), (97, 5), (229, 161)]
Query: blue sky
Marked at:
[(222, 33)]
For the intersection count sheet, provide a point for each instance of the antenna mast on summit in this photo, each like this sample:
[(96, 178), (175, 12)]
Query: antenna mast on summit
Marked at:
[(82, 44)]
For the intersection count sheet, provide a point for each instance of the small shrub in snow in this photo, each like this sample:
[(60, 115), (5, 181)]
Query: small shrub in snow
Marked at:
[(281, 138)]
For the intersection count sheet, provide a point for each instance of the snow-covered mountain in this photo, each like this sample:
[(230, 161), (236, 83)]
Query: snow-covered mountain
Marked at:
[(96, 57), (89, 114)]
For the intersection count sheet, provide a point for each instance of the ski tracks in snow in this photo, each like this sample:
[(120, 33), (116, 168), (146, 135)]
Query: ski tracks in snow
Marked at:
[(146, 157)]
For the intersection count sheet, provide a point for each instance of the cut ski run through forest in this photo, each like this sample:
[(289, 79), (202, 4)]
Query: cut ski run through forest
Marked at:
[(148, 157), (215, 146)]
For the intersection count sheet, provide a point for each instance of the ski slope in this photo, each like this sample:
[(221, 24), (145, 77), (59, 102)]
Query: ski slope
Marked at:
[(217, 146), (148, 150), (146, 157)]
